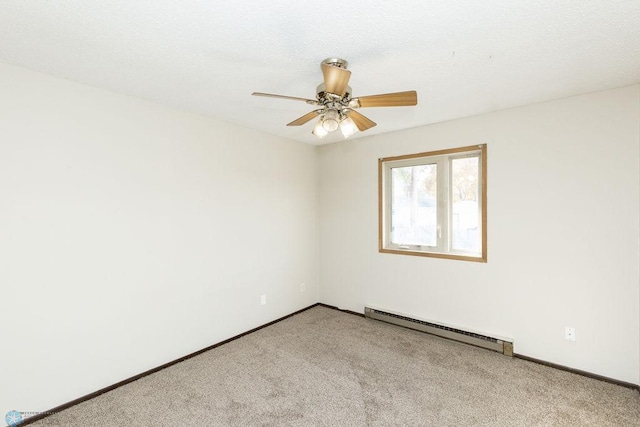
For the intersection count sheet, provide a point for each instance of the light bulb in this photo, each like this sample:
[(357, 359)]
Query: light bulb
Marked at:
[(319, 130), (330, 120), (348, 127)]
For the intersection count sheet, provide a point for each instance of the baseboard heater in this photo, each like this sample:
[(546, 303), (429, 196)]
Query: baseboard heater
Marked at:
[(495, 344)]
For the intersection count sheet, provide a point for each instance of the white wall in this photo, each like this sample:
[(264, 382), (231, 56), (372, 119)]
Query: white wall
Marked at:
[(132, 234), (563, 232)]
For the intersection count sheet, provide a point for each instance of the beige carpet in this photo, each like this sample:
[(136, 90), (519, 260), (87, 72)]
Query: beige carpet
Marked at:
[(327, 368)]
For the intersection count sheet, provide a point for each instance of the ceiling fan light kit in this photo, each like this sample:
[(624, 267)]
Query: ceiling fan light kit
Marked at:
[(348, 127), (330, 120), (337, 107), (319, 130)]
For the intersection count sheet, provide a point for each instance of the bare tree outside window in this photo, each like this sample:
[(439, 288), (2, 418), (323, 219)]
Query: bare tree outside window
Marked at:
[(414, 204), (465, 230)]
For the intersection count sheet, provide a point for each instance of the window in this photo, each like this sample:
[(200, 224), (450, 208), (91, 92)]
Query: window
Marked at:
[(434, 204)]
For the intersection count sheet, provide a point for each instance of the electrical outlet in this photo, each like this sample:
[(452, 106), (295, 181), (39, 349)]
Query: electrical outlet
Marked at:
[(569, 333), (263, 299), (303, 287)]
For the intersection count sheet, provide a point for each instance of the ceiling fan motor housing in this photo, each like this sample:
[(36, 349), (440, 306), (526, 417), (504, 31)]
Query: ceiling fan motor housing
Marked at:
[(324, 97)]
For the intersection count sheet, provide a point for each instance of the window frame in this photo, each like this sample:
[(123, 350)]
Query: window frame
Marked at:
[(444, 160)]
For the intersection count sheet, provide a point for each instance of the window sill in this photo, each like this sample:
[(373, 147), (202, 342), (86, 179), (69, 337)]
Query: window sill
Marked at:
[(482, 259)]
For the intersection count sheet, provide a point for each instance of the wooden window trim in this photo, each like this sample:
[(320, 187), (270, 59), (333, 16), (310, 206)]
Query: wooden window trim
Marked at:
[(381, 230)]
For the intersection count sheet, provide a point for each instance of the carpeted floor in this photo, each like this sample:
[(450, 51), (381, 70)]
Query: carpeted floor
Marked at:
[(327, 368)]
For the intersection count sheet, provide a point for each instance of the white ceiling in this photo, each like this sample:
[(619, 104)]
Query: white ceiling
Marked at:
[(463, 57)]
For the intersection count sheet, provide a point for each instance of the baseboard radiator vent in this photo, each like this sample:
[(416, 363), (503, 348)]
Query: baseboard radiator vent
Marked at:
[(501, 346)]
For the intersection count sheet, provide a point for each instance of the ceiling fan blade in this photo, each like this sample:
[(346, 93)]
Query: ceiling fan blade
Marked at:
[(295, 98), (397, 99), (362, 122), (304, 119), (336, 79)]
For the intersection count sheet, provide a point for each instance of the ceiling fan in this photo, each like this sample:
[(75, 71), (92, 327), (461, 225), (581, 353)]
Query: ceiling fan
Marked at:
[(337, 106)]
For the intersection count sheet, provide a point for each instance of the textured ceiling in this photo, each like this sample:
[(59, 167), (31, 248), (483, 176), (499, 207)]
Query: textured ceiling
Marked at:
[(463, 57)]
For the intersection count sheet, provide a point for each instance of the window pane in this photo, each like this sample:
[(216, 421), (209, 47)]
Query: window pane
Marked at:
[(414, 205), (465, 226)]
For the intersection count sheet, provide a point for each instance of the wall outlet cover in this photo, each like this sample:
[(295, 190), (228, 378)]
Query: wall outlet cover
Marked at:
[(569, 333)]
